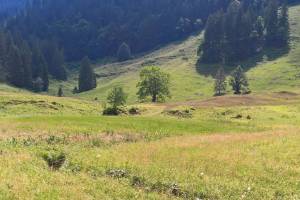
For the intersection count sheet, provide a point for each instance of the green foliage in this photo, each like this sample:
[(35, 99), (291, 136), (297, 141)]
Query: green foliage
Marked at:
[(117, 97), (54, 159), (87, 78), (154, 83), (240, 32), (239, 81)]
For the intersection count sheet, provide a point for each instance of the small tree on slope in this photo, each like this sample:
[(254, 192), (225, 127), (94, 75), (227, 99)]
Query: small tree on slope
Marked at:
[(87, 78), (239, 81), (220, 83), (154, 83)]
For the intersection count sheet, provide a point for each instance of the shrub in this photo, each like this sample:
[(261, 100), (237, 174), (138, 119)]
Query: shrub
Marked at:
[(134, 111), (113, 111), (110, 111), (137, 181), (55, 160)]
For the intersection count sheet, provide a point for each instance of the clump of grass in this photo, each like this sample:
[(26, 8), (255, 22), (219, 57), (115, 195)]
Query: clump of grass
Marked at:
[(54, 159), (52, 139), (117, 173), (137, 181), (185, 113), (29, 142)]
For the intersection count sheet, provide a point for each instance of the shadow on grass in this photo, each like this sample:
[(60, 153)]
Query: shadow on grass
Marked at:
[(267, 55)]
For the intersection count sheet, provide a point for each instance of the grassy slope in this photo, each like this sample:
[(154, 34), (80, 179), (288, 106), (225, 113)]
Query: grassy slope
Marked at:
[(179, 59), (219, 153), (282, 73)]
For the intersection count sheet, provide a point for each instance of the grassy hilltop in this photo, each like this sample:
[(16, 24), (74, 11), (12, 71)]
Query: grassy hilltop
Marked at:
[(193, 147)]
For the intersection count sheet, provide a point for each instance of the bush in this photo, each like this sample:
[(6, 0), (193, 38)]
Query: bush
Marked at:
[(113, 111), (110, 111), (55, 160), (134, 111)]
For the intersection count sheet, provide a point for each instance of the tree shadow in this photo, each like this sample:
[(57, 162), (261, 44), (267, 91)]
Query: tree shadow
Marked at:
[(207, 69)]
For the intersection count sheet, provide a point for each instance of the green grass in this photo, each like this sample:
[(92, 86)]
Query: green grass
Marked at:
[(272, 72), (230, 148)]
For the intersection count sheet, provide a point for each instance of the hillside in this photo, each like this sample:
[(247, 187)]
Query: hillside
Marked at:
[(272, 71), (192, 147)]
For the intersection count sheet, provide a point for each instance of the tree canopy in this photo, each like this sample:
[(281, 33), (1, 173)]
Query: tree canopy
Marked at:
[(154, 83)]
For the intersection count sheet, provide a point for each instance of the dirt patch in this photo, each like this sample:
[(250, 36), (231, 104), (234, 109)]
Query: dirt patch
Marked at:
[(285, 94), (242, 100)]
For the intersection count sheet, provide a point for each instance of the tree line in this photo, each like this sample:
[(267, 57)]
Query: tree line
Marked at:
[(244, 29), (97, 28), (28, 64)]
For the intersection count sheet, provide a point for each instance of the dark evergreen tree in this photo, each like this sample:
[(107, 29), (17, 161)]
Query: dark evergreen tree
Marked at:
[(212, 47), (124, 52), (60, 92), (75, 90), (283, 26), (87, 78), (271, 23), (220, 83), (26, 56), (15, 67), (97, 27), (55, 60), (39, 66), (244, 30), (239, 81)]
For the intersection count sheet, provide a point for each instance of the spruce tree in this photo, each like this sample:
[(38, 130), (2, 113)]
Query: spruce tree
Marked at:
[(124, 52), (212, 51), (55, 60), (15, 67), (87, 78), (60, 92), (220, 83), (283, 26), (39, 65), (239, 81), (26, 56), (271, 23)]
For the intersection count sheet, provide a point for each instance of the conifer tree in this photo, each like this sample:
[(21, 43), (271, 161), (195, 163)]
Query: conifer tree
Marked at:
[(239, 81), (212, 51), (39, 66), (15, 67), (60, 92), (26, 56), (55, 60), (283, 26), (124, 52), (220, 82), (271, 23), (87, 78)]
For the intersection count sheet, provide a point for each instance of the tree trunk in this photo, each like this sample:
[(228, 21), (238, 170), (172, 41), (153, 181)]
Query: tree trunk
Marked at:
[(154, 98)]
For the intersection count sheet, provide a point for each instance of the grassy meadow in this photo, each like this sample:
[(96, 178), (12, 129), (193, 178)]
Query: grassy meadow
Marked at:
[(194, 146)]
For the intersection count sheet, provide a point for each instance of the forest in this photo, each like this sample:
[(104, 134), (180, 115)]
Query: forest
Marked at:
[(38, 41)]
